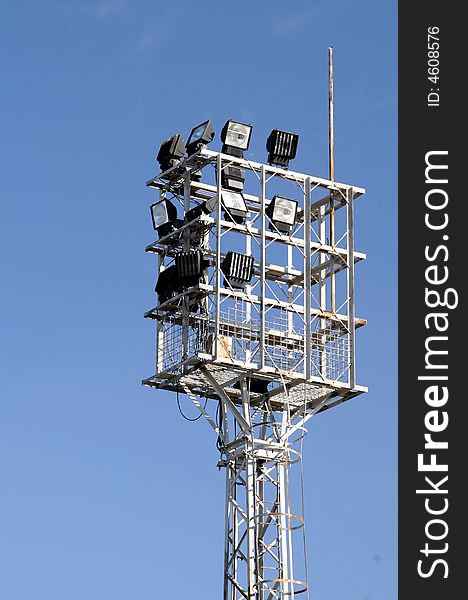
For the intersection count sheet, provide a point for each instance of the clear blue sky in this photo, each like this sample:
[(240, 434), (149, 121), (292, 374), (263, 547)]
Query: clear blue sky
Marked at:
[(106, 492)]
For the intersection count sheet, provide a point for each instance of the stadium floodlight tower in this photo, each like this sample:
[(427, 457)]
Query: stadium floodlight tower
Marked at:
[(251, 329)]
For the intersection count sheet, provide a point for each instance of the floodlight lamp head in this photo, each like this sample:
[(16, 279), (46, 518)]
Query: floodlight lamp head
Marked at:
[(187, 270), (164, 217), (282, 214), (236, 138), (206, 207), (171, 152), (167, 284), (282, 147), (234, 206), (232, 178), (237, 269), (200, 136), (190, 267)]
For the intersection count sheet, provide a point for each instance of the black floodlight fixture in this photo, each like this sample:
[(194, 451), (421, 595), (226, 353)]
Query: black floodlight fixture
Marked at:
[(164, 217), (234, 206), (171, 152), (281, 146), (256, 385), (190, 267), (282, 213), (206, 208), (236, 138), (237, 269), (167, 284), (232, 178), (199, 136)]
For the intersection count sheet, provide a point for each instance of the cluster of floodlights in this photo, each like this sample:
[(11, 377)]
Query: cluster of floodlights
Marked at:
[(281, 147), (281, 212), (190, 267)]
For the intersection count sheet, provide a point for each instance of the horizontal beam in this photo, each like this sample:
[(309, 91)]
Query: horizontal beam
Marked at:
[(200, 159), (160, 246), (342, 391), (205, 191), (203, 288)]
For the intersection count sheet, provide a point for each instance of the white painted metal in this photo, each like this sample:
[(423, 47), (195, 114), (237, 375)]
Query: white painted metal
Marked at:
[(280, 330)]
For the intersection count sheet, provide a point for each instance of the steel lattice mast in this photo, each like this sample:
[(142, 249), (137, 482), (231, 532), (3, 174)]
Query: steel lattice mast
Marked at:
[(259, 361)]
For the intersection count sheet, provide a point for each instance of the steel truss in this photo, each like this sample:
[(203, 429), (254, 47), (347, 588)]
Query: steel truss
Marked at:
[(292, 328), (261, 530)]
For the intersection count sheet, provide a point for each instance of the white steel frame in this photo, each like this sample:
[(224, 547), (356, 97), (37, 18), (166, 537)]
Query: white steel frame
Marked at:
[(228, 344)]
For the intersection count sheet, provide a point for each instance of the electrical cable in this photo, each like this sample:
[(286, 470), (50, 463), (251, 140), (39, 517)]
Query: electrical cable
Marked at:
[(219, 422), (180, 409)]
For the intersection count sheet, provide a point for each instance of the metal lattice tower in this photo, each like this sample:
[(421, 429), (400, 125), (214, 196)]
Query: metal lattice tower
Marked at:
[(259, 362)]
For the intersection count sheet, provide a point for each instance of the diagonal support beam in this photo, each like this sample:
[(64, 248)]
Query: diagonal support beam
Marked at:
[(227, 401)]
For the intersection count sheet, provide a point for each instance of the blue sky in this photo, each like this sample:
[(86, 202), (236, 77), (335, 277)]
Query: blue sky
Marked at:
[(106, 491)]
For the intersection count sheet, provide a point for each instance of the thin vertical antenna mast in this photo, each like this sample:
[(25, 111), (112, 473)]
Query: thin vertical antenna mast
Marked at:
[(331, 163), (331, 123)]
